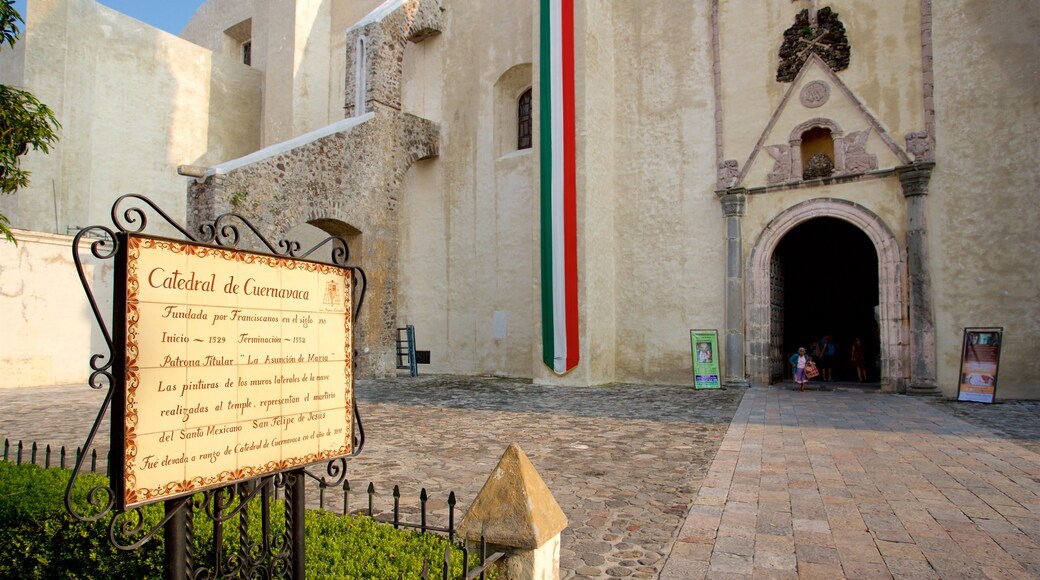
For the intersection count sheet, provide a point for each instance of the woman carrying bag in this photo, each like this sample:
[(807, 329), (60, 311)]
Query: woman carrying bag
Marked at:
[(804, 368)]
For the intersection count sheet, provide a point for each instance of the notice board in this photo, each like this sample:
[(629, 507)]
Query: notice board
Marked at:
[(234, 365)]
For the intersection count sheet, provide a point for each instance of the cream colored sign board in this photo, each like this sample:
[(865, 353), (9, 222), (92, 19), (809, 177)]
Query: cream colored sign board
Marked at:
[(237, 365)]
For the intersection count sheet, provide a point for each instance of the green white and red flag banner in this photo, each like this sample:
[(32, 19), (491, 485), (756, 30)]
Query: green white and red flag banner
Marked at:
[(559, 221)]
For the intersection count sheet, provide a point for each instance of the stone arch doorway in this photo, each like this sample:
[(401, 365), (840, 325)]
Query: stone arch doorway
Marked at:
[(824, 284), (776, 252)]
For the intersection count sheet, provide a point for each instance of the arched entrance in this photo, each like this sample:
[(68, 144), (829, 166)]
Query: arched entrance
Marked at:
[(825, 284), (775, 257)]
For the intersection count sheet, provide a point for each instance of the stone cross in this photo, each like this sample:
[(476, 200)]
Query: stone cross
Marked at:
[(812, 12)]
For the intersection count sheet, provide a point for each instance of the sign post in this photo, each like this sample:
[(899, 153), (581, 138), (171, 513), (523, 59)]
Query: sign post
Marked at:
[(705, 347)]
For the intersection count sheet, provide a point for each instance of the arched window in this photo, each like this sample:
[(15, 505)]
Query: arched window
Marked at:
[(523, 121)]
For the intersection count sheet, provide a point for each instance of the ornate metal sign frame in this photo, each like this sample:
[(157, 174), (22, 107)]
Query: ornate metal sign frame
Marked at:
[(277, 556)]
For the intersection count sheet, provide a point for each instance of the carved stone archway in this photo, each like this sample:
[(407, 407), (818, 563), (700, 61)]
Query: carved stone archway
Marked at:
[(894, 330)]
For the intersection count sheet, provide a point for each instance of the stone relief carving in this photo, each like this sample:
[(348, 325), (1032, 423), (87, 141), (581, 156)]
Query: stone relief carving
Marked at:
[(818, 33), (919, 145), (819, 165), (781, 155), (815, 94), (729, 171), (857, 160)]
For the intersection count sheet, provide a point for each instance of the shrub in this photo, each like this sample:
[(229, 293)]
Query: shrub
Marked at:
[(40, 539)]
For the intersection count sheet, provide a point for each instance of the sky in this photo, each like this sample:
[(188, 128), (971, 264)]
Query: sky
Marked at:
[(168, 15)]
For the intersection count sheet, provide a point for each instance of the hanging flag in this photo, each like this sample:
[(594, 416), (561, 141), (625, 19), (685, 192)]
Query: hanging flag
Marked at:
[(559, 221)]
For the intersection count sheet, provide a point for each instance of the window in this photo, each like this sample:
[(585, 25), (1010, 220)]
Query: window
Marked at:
[(523, 121), (238, 42)]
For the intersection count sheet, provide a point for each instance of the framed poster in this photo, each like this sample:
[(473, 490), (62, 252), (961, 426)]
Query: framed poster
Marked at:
[(705, 346), (232, 365), (980, 359)]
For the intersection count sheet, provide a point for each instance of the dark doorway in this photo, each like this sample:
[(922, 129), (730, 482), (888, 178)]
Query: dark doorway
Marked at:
[(830, 288)]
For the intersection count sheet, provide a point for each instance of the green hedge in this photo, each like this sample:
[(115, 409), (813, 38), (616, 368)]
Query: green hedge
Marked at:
[(39, 539)]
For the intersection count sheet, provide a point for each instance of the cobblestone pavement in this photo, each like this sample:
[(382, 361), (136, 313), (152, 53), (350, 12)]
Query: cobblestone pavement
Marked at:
[(854, 484), (657, 480), (624, 461)]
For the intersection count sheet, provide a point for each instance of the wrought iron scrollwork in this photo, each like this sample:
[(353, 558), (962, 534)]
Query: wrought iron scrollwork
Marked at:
[(273, 554)]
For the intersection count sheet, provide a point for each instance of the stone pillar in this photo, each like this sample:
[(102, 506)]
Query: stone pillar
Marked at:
[(914, 180), (734, 203), (517, 514)]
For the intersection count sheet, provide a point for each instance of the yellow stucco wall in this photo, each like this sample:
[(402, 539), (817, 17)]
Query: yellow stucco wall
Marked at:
[(134, 103)]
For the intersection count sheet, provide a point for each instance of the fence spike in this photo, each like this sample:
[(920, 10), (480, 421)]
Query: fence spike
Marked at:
[(7, 447), (483, 553), (346, 496), (63, 457), (47, 457), (93, 461), (371, 493), (423, 498), (32, 456), (451, 516), (321, 494), (397, 506), (20, 447)]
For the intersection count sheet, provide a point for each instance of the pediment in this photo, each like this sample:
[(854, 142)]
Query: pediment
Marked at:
[(817, 98)]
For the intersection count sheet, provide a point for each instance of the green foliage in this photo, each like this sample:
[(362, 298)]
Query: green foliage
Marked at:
[(39, 539), (25, 122)]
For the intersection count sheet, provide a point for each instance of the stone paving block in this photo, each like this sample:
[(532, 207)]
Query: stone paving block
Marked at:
[(774, 543), (692, 551), (856, 570), (773, 574), (679, 569), (764, 558), (859, 553), (912, 570), (739, 545), (730, 564), (817, 554), (812, 571)]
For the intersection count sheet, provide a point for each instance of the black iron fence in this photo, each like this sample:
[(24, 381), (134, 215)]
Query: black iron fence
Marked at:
[(48, 457)]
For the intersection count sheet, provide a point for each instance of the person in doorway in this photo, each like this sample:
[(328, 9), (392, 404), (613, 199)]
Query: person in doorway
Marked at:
[(826, 358), (858, 360), (798, 361)]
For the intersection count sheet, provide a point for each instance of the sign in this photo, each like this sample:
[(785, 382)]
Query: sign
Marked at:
[(705, 345), (980, 358), (236, 365)]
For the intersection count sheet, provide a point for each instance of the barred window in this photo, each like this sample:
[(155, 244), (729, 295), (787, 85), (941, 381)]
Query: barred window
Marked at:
[(523, 121)]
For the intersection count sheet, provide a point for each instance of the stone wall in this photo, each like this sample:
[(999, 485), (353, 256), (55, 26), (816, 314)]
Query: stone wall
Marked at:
[(349, 178)]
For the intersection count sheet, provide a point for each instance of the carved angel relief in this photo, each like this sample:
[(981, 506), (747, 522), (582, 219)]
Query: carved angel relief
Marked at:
[(919, 145), (857, 160), (781, 155), (729, 171)]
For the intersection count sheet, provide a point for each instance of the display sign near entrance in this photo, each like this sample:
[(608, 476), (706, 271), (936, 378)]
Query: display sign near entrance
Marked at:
[(236, 365), (705, 345), (980, 359)]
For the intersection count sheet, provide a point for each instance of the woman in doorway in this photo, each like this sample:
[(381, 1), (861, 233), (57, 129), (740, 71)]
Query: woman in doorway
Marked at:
[(798, 361), (858, 360)]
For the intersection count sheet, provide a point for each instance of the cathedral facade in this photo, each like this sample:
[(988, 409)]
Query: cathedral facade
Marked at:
[(777, 171)]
